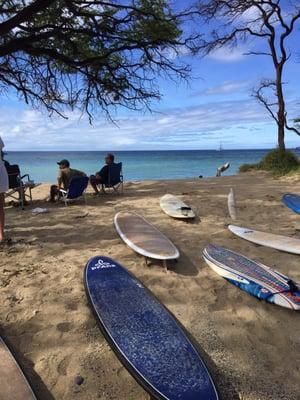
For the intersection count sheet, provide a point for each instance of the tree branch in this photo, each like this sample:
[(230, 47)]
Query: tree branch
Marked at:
[(24, 14), (91, 54)]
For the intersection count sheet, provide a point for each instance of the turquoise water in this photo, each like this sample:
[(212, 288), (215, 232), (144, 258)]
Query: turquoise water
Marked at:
[(137, 165)]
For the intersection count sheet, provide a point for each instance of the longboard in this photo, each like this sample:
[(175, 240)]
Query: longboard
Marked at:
[(145, 336), (13, 383), (176, 208), (278, 242), (143, 237), (292, 201), (252, 277)]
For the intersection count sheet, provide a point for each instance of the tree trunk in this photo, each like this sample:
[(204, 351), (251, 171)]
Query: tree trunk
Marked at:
[(281, 144), (281, 108)]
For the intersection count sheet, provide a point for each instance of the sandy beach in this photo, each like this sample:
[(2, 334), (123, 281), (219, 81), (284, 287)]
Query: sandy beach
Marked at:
[(251, 347)]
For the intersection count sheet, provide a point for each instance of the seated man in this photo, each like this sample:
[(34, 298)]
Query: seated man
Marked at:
[(65, 175), (101, 177), (14, 180)]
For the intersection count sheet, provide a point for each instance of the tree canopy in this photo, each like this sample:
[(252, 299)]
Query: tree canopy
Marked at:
[(89, 54)]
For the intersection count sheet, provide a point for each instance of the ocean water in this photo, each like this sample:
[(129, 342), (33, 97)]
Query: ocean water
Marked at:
[(137, 165)]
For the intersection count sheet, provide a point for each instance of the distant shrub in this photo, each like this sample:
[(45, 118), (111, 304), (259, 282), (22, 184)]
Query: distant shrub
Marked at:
[(277, 161), (280, 162), (247, 167)]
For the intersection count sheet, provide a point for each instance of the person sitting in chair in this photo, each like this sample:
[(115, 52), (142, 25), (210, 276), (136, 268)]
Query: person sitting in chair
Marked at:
[(3, 189), (64, 178), (14, 180), (101, 177)]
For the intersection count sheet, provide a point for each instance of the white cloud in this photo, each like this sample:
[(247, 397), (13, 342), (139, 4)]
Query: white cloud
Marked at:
[(185, 127), (253, 17), (227, 87), (228, 55), (179, 51), (164, 120)]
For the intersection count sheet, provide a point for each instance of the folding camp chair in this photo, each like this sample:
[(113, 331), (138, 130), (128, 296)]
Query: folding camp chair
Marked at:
[(20, 186), (115, 178), (77, 189)]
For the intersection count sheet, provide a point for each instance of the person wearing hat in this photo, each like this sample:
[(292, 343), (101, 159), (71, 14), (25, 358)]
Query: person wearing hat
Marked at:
[(64, 178), (3, 189)]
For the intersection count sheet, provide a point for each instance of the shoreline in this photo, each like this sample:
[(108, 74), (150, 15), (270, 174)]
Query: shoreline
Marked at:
[(249, 345), (139, 164), (193, 178), (291, 176)]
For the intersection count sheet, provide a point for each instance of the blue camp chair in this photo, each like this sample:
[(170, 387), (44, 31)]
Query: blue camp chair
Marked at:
[(115, 178), (77, 189)]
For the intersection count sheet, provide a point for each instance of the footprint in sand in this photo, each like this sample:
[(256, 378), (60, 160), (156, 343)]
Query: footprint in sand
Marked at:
[(63, 365), (67, 290), (64, 326), (71, 305)]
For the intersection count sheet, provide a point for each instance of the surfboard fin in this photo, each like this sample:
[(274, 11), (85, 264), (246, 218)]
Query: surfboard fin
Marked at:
[(293, 286)]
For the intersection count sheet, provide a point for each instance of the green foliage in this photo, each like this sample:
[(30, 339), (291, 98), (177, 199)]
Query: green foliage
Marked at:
[(280, 162), (247, 167), (277, 161), (156, 24), (297, 123), (91, 55)]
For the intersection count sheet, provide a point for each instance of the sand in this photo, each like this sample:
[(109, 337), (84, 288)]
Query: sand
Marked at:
[(252, 348)]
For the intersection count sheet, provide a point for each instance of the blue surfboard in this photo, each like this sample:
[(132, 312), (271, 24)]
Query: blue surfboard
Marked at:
[(292, 201), (145, 336), (252, 277)]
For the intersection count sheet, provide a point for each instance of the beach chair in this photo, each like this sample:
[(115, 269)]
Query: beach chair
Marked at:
[(115, 178), (20, 186), (77, 189)]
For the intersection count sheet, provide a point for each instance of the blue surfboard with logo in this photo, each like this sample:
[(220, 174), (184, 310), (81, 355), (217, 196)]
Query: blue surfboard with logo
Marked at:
[(145, 336), (292, 201)]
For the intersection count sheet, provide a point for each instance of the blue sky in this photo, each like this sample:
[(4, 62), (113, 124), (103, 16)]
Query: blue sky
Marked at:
[(215, 106)]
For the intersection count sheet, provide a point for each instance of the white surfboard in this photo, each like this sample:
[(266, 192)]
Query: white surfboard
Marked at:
[(143, 237), (176, 208), (232, 205), (278, 242), (222, 168)]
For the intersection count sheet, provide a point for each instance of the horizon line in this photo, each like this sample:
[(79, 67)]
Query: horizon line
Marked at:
[(144, 150)]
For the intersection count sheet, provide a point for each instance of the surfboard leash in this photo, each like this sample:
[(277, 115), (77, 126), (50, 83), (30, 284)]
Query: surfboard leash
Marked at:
[(292, 289)]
